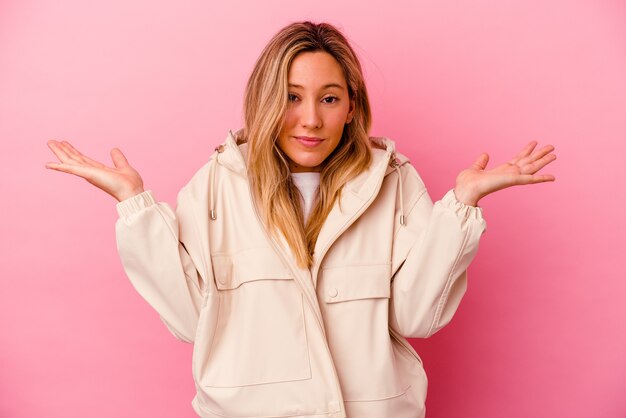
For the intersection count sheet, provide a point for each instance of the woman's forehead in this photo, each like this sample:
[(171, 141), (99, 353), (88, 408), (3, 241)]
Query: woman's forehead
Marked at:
[(316, 70)]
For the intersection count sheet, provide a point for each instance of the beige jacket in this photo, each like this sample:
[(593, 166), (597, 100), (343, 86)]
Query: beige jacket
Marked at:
[(274, 340)]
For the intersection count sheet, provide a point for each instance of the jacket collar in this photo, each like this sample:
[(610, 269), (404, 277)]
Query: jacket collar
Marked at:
[(364, 186), (233, 156)]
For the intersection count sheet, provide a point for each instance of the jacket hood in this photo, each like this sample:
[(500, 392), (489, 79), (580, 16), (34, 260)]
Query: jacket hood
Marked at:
[(232, 154)]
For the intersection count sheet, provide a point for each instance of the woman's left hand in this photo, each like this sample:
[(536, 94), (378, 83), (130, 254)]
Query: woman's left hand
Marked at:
[(474, 183)]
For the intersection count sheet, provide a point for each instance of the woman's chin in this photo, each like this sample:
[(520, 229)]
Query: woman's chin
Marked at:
[(305, 165)]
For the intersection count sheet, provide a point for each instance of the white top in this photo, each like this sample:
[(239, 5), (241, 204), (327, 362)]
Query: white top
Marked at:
[(307, 183)]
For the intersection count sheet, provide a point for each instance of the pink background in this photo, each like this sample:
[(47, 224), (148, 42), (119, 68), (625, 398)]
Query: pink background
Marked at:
[(542, 330)]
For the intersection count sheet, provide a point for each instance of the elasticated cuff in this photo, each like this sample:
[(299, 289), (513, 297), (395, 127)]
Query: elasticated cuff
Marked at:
[(134, 204), (450, 201)]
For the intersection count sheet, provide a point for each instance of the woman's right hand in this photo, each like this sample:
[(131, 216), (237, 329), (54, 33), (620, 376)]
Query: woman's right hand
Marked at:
[(121, 181)]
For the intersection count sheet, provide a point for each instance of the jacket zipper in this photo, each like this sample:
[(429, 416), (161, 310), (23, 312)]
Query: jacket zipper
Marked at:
[(318, 263), (286, 263)]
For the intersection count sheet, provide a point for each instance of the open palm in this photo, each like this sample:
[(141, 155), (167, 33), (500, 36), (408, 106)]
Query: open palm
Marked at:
[(121, 181), (476, 182)]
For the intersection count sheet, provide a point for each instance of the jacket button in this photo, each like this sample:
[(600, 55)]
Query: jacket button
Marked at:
[(332, 292)]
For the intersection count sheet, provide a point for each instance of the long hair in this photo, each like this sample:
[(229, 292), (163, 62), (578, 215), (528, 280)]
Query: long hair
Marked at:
[(265, 104)]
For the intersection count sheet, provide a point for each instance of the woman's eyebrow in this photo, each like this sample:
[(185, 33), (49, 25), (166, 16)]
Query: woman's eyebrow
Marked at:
[(325, 86)]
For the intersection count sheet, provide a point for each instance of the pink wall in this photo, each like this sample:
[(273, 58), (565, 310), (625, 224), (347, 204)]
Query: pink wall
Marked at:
[(541, 332)]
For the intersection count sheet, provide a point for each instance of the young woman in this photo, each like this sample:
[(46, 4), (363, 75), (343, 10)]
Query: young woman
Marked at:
[(304, 252)]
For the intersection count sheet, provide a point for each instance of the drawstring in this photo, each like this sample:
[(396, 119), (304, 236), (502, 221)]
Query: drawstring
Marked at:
[(212, 213), (395, 163)]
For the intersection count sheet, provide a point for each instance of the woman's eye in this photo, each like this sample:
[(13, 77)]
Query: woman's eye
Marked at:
[(328, 100)]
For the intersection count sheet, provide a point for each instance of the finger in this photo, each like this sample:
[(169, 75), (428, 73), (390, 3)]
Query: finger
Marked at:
[(543, 178), (94, 162), (536, 155), (71, 153), (77, 170), (481, 161), (82, 157), (535, 166), (524, 152), (118, 158), (70, 149), (532, 179), (59, 151)]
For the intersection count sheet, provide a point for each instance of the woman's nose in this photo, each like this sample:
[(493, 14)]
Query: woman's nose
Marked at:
[(310, 116)]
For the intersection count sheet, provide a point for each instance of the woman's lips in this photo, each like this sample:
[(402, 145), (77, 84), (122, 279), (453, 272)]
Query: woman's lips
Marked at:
[(309, 141)]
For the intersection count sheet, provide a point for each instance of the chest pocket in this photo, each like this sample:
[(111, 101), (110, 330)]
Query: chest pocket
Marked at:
[(342, 284), (260, 336), (357, 305)]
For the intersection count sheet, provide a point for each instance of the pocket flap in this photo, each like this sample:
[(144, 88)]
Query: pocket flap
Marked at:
[(357, 282), (248, 265)]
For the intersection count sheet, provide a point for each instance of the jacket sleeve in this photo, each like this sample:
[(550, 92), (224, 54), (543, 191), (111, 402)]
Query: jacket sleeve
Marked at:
[(157, 262), (428, 285)]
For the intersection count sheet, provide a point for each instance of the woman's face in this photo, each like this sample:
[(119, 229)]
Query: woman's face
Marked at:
[(319, 107)]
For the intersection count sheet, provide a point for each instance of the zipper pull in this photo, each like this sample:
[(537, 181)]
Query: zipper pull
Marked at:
[(394, 161)]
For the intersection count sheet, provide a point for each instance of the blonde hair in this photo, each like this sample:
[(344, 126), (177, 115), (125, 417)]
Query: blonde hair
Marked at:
[(265, 104)]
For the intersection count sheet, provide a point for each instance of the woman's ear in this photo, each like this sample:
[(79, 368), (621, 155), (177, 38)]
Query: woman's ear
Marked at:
[(350, 115)]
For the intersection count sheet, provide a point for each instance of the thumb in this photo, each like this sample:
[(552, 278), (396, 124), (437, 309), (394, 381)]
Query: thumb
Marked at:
[(118, 158), (481, 161)]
